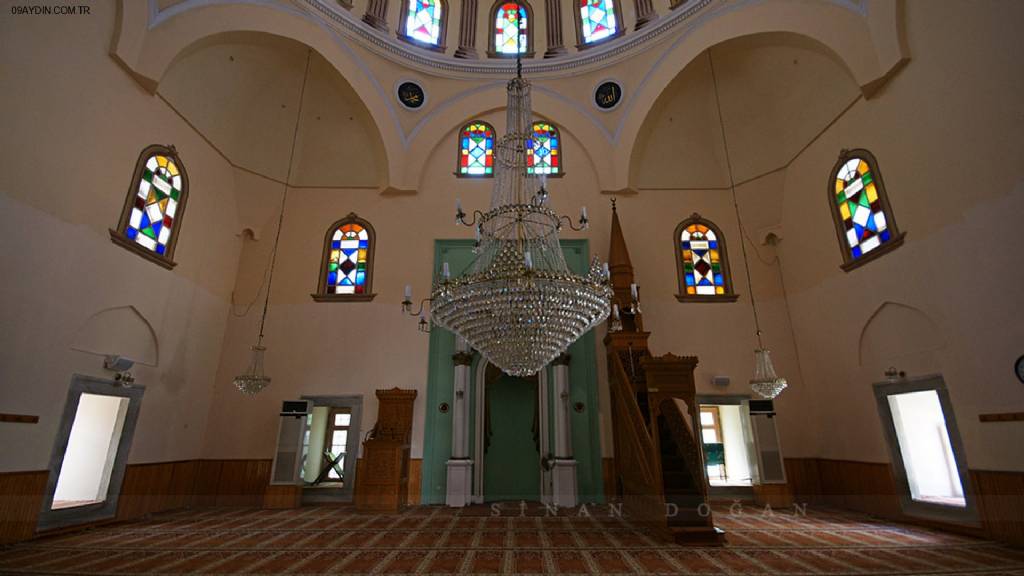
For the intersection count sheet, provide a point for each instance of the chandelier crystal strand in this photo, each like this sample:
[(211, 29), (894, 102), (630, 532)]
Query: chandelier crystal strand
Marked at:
[(518, 303)]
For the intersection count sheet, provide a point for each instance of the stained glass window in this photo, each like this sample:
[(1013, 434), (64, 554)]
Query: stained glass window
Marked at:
[(476, 150), (152, 212), (703, 267), (864, 220), (597, 20), (543, 150), (423, 21), (347, 268), (511, 29)]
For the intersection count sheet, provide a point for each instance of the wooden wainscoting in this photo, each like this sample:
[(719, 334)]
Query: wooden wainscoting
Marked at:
[(21, 496), (156, 487), (870, 487), (231, 482), (415, 480)]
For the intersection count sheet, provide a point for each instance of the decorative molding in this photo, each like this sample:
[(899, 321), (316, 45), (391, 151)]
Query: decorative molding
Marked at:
[(462, 358), (19, 418), (1002, 417)]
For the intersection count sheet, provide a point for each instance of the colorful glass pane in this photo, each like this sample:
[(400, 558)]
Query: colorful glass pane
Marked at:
[(860, 208), (543, 150), (702, 261), (476, 150), (510, 29), (597, 20), (155, 204), (346, 263), (423, 22)]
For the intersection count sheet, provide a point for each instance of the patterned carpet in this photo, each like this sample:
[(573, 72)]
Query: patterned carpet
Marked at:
[(436, 540)]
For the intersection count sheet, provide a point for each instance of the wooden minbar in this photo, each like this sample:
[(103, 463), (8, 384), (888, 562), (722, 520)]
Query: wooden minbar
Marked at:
[(383, 485)]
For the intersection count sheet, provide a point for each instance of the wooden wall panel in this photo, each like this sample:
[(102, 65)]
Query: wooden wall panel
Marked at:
[(21, 496), (415, 480), (611, 490), (1001, 504), (870, 487)]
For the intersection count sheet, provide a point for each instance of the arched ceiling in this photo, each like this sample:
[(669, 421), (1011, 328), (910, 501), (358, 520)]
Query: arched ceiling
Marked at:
[(777, 92), (242, 92)]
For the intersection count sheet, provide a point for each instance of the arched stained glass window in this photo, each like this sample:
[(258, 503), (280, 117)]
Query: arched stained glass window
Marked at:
[(544, 150), (863, 217), (476, 150), (511, 33), (701, 262), (346, 270), (597, 20), (152, 212), (424, 22)]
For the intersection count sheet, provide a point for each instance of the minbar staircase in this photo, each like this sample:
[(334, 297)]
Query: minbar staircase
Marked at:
[(658, 460)]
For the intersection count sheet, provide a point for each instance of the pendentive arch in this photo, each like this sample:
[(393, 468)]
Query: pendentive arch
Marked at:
[(147, 46), (868, 43)]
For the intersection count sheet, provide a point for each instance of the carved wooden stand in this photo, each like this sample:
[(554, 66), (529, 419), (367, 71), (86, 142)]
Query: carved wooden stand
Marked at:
[(383, 485)]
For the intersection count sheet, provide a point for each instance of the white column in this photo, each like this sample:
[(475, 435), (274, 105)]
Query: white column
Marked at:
[(460, 466), (564, 467)]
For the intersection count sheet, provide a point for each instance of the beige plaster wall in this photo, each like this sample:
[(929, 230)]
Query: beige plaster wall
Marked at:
[(947, 134), (74, 124)]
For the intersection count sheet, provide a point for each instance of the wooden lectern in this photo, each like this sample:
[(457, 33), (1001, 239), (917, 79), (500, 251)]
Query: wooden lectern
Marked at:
[(383, 485)]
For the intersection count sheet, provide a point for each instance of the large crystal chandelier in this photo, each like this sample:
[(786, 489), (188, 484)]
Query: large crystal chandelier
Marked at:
[(518, 303)]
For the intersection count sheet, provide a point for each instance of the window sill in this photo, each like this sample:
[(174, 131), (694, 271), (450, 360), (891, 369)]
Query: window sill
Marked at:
[(882, 250), (708, 299), (474, 176), (343, 297), (588, 45), (421, 44), (119, 239)]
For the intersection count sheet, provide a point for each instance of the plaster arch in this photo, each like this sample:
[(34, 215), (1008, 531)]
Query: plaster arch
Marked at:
[(147, 45), (867, 41), (122, 331), (896, 330), (434, 129)]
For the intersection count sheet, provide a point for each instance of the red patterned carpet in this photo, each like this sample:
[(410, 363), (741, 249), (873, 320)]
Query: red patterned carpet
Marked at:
[(435, 540)]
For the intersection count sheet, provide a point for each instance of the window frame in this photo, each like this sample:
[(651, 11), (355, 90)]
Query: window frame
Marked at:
[(561, 148), (441, 35), (458, 149), (730, 294), (321, 294), (896, 239), (106, 509), (492, 50), (118, 235), (917, 508), (581, 42)]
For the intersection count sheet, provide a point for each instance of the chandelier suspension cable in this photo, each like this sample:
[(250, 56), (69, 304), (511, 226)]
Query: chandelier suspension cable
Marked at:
[(253, 380), (735, 202), (284, 196)]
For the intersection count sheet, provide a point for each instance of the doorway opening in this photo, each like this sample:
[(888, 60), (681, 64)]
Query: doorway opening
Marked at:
[(330, 448), (723, 437), (90, 453), (926, 448), (511, 437)]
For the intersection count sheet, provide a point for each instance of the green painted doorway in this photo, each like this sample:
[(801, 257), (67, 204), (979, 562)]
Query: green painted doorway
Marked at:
[(511, 435)]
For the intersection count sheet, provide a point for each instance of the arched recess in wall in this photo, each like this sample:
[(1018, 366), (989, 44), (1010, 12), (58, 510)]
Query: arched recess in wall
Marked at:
[(439, 149), (122, 331), (245, 91), (148, 49), (868, 43), (897, 330), (436, 130), (776, 91)]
